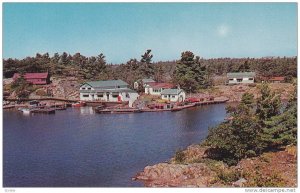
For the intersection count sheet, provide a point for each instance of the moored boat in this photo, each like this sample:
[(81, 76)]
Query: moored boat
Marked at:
[(25, 110), (79, 104)]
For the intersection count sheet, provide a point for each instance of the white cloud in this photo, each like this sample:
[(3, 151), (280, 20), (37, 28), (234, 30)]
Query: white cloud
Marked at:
[(223, 30)]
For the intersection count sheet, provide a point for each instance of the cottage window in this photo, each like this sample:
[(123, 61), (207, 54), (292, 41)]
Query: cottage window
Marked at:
[(173, 96), (100, 95), (127, 95), (231, 79), (115, 95), (156, 90), (239, 79), (89, 88), (165, 96), (250, 78), (85, 95)]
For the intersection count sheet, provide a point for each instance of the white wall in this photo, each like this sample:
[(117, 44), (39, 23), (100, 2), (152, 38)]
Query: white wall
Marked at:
[(174, 98), (244, 81), (151, 91), (129, 96)]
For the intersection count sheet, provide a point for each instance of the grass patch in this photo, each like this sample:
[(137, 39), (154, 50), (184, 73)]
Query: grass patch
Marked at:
[(257, 179)]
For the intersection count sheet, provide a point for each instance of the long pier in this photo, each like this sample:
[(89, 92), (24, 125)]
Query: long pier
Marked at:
[(42, 99)]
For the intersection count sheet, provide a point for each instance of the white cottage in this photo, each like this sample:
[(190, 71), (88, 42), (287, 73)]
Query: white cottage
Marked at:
[(157, 87), (173, 95), (240, 77), (107, 91), (144, 82)]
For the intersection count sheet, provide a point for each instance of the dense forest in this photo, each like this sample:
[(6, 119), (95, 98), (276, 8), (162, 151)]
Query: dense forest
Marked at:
[(187, 70)]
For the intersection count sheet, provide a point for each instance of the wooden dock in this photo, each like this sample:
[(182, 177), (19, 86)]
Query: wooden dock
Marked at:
[(177, 108), (43, 111), (121, 110), (13, 106)]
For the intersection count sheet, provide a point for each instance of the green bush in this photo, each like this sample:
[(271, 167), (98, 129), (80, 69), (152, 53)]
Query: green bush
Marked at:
[(179, 156), (254, 128), (228, 176), (259, 180)]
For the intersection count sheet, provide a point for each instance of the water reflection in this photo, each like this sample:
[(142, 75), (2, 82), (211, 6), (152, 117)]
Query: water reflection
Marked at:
[(87, 111), (79, 148)]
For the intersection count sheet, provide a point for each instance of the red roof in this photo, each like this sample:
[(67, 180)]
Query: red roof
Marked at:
[(34, 78), (277, 78), (32, 75), (161, 85), (274, 78)]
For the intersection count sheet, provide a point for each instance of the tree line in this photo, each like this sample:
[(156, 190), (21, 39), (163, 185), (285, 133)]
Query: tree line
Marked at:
[(189, 71)]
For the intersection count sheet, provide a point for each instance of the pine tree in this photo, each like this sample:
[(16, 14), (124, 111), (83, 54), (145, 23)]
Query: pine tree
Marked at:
[(147, 68), (189, 73), (281, 129), (268, 104), (239, 137)]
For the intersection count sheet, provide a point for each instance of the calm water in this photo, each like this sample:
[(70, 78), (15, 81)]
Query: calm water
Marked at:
[(77, 148)]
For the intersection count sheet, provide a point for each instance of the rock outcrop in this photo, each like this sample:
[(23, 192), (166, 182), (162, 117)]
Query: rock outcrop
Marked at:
[(177, 175), (272, 169)]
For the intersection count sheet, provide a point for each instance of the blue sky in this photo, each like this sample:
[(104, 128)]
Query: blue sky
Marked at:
[(125, 30)]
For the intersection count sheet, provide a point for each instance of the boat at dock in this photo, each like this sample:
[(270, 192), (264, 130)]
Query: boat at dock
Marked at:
[(79, 104), (37, 110), (25, 110)]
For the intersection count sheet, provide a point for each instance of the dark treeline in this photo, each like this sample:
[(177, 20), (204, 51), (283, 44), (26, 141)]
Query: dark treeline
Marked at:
[(96, 67)]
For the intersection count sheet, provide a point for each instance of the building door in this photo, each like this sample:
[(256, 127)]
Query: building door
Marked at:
[(107, 96), (180, 99)]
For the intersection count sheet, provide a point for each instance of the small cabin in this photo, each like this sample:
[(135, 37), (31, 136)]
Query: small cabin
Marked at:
[(157, 87), (144, 82), (240, 77), (273, 79), (173, 95), (35, 78)]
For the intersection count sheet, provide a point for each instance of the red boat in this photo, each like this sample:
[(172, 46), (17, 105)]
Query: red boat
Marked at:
[(79, 104)]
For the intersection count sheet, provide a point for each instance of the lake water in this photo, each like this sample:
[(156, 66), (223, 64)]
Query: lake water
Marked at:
[(77, 148)]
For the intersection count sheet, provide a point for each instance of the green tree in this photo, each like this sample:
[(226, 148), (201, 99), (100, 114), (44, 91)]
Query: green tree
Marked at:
[(64, 59), (268, 104), (281, 129), (239, 137), (189, 73), (20, 86), (147, 68), (158, 73)]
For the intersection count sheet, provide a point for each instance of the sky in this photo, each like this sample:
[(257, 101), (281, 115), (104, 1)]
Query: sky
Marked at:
[(126, 30)]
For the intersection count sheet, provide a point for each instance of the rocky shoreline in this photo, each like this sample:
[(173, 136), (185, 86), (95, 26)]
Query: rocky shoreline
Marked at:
[(272, 169)]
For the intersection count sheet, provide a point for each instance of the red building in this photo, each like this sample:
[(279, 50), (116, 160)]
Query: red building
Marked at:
[(273, 79), (35, 78)]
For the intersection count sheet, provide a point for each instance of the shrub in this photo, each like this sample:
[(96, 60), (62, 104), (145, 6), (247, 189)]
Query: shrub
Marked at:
[(41, 92), (228, 176), (260, 180), (179, 156)]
